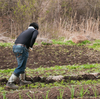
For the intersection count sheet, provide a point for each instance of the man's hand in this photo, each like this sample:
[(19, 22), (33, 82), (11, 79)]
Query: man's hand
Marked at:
[(30, 49)]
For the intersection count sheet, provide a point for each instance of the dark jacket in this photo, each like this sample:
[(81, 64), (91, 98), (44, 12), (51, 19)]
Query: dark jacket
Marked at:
[(27, 37)]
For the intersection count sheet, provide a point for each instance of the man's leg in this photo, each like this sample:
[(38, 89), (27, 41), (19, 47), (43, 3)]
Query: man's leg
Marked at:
[(22, 66), (21, 71), (21, 60)]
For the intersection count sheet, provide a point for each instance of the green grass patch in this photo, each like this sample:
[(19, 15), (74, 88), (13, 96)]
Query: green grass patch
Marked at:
[(6, 73), (85, 42), (95, 45), (63, 70), (6, 44), (60, 42), (57, 70), (35, 43), (69, 42)]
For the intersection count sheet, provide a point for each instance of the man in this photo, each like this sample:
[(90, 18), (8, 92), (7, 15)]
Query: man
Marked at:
[(23, 43)]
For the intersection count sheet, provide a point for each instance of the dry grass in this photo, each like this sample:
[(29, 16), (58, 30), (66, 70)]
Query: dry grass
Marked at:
[(88, 27), (56, 18)]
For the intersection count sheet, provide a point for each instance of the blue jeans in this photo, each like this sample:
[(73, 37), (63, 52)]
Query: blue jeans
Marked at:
[(21, 54)]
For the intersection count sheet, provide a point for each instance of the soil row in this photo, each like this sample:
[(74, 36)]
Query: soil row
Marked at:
[(68, 92), (52, 79), (51, 55)]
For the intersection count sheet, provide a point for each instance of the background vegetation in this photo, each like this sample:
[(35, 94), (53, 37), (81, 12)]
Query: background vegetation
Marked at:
[(56, 18)]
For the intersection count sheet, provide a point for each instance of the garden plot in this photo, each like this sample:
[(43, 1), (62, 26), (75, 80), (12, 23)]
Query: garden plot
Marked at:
[(51, 55), (56, 72)]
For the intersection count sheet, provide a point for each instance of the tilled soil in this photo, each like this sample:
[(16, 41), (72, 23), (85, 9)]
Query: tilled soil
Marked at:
[(68, 92), (49, 56)]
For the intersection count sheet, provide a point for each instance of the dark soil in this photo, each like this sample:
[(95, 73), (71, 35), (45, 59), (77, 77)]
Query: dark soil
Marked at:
[(55, 92), (49, 56), (49, 79)]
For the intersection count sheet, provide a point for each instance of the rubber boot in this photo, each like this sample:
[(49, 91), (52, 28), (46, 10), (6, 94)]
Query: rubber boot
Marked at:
[(10, 84), (23, 81)]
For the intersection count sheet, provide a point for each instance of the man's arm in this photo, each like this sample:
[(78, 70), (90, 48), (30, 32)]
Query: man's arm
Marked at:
[(34, 36)]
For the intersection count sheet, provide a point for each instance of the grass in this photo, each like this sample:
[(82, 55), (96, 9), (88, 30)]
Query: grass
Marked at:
[(60, 41), (82, 92), (72, 90), (69, 42), (60, 70), (61, 91), (95, 45), (4, 95), (6, 44), (6, 73), (90, 44), (95, 91), (46, 95)]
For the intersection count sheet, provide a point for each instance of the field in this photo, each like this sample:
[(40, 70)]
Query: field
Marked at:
[(58, 71)]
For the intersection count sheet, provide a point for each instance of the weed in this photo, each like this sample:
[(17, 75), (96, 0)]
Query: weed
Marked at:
[(1, 89), (42, 85), (82, 92), (28, 85), (20, 97), (61, 91), (72, 89), (33, 96), (4, 95), (95, 91), (29, 95), (44, 43), (47, 92)]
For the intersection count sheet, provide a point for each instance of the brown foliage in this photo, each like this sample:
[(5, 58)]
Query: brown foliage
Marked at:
[(54, 16)]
